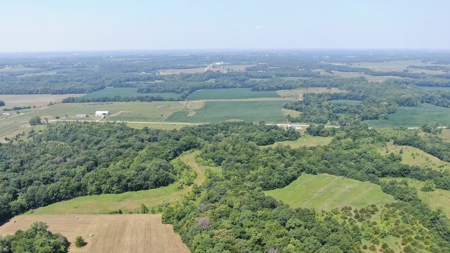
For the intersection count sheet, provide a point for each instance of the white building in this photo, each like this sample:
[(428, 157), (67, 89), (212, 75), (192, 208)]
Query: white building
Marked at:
[(101, 113)]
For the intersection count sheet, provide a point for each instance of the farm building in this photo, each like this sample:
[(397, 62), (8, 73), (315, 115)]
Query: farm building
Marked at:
[(101, 113), (6, 114), (82, 115)]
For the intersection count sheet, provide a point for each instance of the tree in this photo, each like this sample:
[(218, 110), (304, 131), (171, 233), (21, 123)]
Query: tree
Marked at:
[(144, 209), (2, 103), (80, 242), (204, 223), (35, 121)]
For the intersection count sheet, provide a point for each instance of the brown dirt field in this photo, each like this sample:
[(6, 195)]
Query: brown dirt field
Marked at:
[(137, 233), (34, 100)]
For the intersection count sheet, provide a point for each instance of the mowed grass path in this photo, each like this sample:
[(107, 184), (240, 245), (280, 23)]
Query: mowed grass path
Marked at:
[(137, 233), (414, 116), (325, 192), (252, 111), (128, 201), (234, 93)]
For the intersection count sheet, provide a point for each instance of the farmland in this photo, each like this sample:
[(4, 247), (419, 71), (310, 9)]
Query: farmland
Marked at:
[(324, 192), (126, 92), (298, 93), (253, 111), (305, 141), (111, 233), (237, 93), (415, 116)]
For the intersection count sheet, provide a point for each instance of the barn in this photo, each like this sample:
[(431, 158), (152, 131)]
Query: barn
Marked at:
[(101, 113)]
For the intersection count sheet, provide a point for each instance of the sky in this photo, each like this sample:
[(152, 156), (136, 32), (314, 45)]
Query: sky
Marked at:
[(105, 25)]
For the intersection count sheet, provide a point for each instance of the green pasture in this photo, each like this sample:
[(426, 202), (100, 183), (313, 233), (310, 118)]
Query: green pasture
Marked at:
[(234, 93), (126, 92), (218, 111), (325, 192), (415, 116)]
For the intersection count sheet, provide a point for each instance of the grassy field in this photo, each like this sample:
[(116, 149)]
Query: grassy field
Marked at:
[(325, 192), (376, 79), (298, 93), (128, 201), (222, 68), (235, 93), (293, 113), (127, 92), (389, 66), (111, 233), (305, 141), (346, 102), (254, 111), (415, 116), (415, 156)]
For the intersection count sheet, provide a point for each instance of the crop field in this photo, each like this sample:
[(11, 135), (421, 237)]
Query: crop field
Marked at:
[(128, 201), (234, 93), (415, 116), (305, 140), (376, 79), (33, 100), (127, 92), (110, 233), (389, 66), (414, 156), (325, 192), (222, 68), (298, 93), (251, 111)]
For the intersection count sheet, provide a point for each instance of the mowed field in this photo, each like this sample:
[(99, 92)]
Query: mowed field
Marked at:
[(139, 233), (414, 116), (234, 93), (251, 111), (325, 192), (127, 92)]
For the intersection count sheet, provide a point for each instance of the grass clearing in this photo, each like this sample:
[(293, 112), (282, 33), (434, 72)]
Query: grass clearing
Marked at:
[(233, 93), (305, 140), (389, 65), (224, 68), (11, 129), (325, 192), (218, 111), (126, 92), (168, 126), (414, 116), (293, 113), (111, 233), (414, 156), (128, 201), (376, 79), (298, 93)]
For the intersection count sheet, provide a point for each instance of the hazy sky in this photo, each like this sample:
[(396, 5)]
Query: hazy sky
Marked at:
[(67, 25)]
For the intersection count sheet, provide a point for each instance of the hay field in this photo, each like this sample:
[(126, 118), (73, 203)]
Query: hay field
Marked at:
[(137, 233), (325, 192), (127, 92), (389, 66)]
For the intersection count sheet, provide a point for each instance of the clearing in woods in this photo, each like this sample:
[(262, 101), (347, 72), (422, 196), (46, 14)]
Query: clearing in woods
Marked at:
[(414, 156), (128, 201), (111, 233), (325, 192), (298, 93), (305, 140)]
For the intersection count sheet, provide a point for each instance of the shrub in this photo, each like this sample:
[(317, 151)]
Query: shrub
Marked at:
[(80, 242)]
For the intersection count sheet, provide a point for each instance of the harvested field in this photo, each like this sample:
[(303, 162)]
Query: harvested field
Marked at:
[(111, 233), (33, 100)]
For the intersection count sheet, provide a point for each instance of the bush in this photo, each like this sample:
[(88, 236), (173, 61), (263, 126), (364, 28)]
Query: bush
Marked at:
[(80, 242)]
